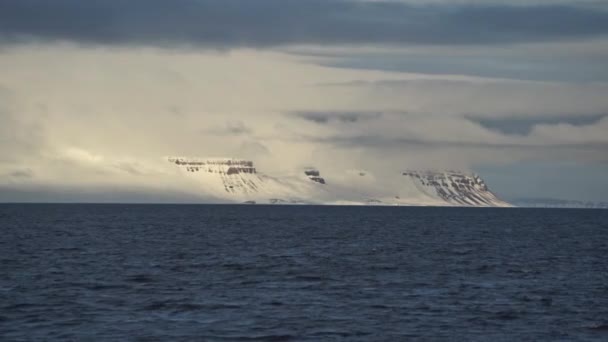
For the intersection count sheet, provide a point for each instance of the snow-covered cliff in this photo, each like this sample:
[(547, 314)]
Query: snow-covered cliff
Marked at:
[(238, 181), (453, 187)]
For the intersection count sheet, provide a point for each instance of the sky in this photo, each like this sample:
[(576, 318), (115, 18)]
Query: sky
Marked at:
[(95, 94)]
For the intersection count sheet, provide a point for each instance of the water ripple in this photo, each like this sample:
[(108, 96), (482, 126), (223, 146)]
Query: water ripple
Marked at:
[(256, 273)]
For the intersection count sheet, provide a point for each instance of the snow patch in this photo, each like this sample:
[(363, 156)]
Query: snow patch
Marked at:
[(238, 181)]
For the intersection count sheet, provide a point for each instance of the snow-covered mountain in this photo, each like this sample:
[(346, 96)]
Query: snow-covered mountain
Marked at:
[(238, 181), (453, 187)]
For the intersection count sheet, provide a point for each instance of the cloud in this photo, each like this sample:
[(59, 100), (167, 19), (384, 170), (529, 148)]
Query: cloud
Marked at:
[(89, 119), (19, 137), (230, 128), (264, 23), (524, 125), (253, 150), (25, 173), (381, 141), (480, 97), (338, 117), (108, 116), (572, 61), (398, 139)]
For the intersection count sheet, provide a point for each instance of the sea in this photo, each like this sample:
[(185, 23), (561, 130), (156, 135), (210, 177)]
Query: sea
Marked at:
[(117, 272)]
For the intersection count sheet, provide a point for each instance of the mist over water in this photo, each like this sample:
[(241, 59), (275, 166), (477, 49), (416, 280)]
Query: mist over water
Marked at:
[(301, 273)]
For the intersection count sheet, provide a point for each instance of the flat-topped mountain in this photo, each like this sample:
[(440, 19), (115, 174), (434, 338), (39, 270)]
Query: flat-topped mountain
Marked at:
[(454, 187), (238, 181)]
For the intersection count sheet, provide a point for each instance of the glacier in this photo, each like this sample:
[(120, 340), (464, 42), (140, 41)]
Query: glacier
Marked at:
[(229, 180)]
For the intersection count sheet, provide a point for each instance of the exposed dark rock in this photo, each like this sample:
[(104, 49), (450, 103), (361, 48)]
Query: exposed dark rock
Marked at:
[(456, 187)]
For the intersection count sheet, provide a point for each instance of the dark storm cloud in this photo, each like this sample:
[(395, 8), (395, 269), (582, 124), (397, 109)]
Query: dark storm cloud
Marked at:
[(383, 142), (340, 117), (231, 23), (524, 67), (524, 125)]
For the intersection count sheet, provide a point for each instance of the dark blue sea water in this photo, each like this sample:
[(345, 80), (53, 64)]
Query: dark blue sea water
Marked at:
[(301, 273)]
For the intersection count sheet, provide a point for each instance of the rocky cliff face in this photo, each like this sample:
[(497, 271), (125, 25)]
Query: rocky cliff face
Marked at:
[(454, 187), (237, 180), (220, 166), (221, 176)]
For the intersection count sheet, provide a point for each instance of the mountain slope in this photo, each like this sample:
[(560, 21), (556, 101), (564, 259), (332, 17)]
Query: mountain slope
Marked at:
[(238, 181), (235, 180), (453, 188)]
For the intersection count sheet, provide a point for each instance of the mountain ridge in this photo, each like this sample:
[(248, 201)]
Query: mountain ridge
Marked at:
[(238, 181)]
